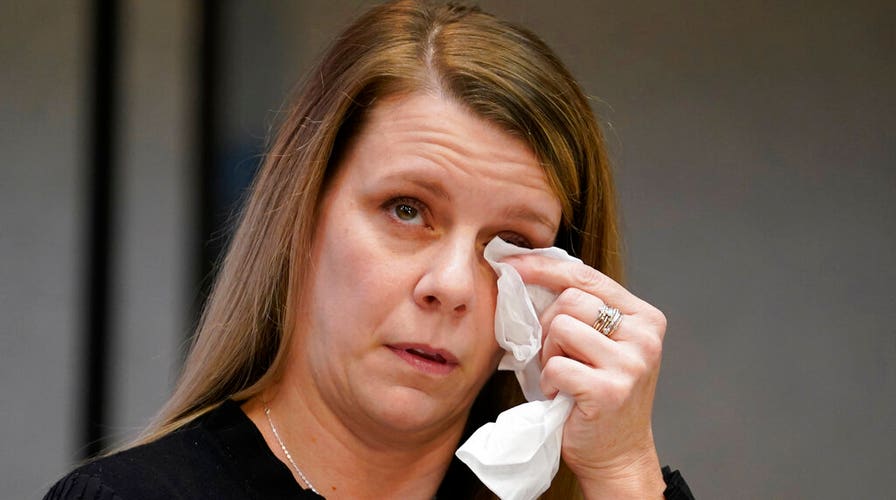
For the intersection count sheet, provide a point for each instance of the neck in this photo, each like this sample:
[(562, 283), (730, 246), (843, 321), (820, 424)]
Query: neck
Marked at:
[(344, 461)]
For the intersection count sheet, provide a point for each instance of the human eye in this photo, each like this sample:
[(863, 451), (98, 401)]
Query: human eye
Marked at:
[(406, 210), (515, 239)]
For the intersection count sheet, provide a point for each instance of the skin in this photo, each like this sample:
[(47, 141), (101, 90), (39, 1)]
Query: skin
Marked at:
[(396, 335), (607, 440)]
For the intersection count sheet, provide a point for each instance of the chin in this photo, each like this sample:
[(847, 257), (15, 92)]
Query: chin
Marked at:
[(409, 410)]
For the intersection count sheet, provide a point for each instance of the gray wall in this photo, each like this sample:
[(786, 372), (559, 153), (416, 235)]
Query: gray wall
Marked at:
[(755, 145), (43, 61), (44, 94)]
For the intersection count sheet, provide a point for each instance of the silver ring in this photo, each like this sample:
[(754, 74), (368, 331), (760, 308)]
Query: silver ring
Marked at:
[(608, 320)]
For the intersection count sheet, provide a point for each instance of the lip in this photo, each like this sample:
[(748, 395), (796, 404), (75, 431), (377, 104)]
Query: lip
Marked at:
[(426, 358)]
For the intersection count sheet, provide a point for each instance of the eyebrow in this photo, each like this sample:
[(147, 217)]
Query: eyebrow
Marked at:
[(522, 212), (434, 188), (517, 212)]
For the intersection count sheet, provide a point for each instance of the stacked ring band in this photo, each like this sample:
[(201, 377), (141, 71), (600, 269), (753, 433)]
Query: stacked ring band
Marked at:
[(608, 320)]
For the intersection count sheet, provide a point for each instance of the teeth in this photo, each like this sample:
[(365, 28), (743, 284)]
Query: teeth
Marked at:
[(423, 354)]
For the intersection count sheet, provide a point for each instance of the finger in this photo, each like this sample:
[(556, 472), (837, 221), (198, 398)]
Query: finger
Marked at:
[(588, 386), (638, 352), (574, 302), (584, 307), (559, 275), (568, 326), (567, 336)]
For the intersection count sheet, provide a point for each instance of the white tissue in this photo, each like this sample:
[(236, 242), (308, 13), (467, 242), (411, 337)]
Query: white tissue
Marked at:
[(518, 455)]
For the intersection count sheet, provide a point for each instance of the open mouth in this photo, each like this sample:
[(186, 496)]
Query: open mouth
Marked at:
[(425, 358), (431, 356)]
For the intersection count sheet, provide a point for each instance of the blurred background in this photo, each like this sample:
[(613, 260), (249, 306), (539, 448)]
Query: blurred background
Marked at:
[(755, 148)]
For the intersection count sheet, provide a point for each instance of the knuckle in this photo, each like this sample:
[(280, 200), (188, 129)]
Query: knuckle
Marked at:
[(560, 324), (587, 278), (550, 367), (571, 298), (653, 347), (656, 318), (638, 365), (551, 370)]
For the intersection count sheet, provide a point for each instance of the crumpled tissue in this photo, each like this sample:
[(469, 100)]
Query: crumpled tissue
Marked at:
[(518, 455)]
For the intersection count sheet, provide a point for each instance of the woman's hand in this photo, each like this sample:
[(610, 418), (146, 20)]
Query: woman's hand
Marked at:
[(607, 440)]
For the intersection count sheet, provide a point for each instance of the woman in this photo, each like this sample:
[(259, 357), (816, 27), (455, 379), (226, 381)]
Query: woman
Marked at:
[(348, 346)]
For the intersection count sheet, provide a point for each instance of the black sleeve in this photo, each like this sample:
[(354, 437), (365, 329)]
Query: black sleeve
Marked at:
[(676, 488), (80, 486)]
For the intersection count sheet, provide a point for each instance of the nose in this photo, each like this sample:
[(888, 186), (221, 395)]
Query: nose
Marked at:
[(450, 278)]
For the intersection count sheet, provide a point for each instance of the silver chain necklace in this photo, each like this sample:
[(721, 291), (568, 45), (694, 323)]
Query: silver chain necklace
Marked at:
[(267, 413)]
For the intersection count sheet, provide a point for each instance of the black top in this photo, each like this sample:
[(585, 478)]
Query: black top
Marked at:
[(219, 455)]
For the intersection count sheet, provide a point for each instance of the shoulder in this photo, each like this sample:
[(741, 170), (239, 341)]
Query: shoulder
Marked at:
[(139, 473), (77, 485), (188, 463)]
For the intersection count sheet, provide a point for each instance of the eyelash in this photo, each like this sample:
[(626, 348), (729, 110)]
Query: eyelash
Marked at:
[(391, 205), (516, 239), (422, 210)]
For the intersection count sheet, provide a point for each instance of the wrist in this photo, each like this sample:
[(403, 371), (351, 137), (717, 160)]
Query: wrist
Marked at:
[(641, 478)]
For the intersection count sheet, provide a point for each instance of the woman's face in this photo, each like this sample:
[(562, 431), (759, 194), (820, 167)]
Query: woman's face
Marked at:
[(398, 332)]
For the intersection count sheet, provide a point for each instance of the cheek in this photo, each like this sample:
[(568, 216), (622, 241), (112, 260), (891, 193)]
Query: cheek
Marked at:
[(356, 267), (333, 264), (355, 279), (485, 321), (342, 277)]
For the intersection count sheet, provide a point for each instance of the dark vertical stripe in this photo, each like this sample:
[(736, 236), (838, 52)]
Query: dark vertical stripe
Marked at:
[(207, 80), (101, 170)]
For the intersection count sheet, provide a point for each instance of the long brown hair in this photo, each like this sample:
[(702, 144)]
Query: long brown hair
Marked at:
[(504, 74)]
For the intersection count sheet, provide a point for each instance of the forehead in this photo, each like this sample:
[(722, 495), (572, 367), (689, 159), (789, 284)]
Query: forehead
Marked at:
[(440, 130), (439, 145)]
